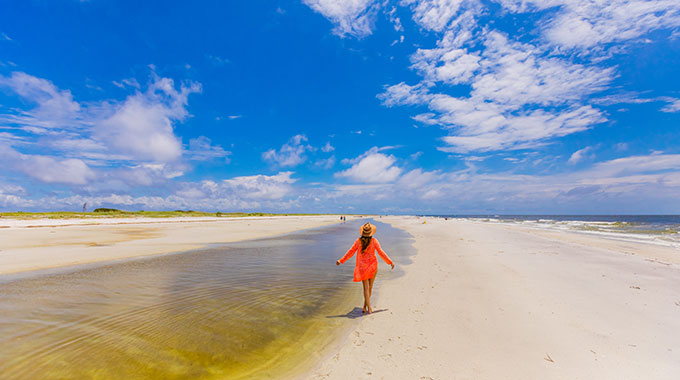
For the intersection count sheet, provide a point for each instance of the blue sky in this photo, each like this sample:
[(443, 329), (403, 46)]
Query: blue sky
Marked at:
[(412, 106)]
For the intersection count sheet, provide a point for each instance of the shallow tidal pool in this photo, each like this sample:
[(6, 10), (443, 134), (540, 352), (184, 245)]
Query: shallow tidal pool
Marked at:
[(252, 309)]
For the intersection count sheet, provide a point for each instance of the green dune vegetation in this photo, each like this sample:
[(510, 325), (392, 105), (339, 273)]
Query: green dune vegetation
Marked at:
[(115, 213)]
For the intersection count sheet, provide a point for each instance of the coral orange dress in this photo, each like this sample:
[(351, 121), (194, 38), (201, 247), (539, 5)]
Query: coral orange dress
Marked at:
[(367, 263)]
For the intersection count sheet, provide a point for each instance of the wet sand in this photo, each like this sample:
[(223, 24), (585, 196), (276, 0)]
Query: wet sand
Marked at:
[(495, 301)]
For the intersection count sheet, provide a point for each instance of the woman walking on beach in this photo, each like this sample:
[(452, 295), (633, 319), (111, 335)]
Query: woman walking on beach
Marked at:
[(367, 263)]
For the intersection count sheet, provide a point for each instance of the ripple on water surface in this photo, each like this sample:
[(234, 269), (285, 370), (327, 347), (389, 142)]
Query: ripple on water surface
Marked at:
[(225, 312)]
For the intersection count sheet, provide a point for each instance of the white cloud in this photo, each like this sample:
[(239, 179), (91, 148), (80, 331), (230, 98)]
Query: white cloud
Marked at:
[(404, 94), (258, 192), (327, 148), (372, 167), (451, 66), (46, 168), (290, 154), (417, 178), (433, 14), (53, 170), (672, 106), (511, 84), (580, 155), (627, 98), (145, 174), (142, 126), (260, 186), (509, 73), (107, 133), (54, 107), (12, 196), (130, 82), (674, 35), (201, 149), (217, 60), (589, 23), (631, 184), (325, 163), (482, 126), (10, 138), (632, 165), (515, 74), (521, 94), (353, 17), (586, 24), (396, 21)]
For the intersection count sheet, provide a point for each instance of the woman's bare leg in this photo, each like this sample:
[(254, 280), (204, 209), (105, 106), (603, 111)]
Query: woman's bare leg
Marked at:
[(370, 292), (367, 296), (364, 283)]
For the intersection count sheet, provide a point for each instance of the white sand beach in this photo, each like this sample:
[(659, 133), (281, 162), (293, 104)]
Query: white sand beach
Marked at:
[(479, 301), (494, 301), (40, 244)]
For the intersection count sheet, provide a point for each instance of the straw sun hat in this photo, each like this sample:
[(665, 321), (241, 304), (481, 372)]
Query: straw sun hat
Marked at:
[(367, 230)]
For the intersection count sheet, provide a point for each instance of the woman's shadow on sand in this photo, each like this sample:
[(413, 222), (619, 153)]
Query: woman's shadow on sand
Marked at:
[(355, 313)]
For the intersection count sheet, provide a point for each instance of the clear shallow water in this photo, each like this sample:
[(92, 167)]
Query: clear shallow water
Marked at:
[(232, 311), (662, 229)]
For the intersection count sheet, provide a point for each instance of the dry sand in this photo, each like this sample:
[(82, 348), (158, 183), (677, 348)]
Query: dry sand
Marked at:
[(27, 245), (492, 301)]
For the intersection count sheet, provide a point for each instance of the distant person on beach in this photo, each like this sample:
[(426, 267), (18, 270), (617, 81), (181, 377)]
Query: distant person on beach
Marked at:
[(367, 263)]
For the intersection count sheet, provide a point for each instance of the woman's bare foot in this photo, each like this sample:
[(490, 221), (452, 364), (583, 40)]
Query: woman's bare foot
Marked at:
[(370, 310), (363, 311)]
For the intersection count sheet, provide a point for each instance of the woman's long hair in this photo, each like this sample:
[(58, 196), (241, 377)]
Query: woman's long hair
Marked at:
[(365, 241)]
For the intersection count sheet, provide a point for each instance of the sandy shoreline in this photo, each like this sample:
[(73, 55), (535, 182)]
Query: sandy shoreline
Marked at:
[(479, 301), (495, 301), (27, 245)]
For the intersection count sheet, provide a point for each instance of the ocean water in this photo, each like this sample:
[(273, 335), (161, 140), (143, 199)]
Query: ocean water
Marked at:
[(657, 229), (243, 310)]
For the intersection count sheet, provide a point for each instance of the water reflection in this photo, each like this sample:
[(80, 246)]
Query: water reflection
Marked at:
[(224, 312)]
